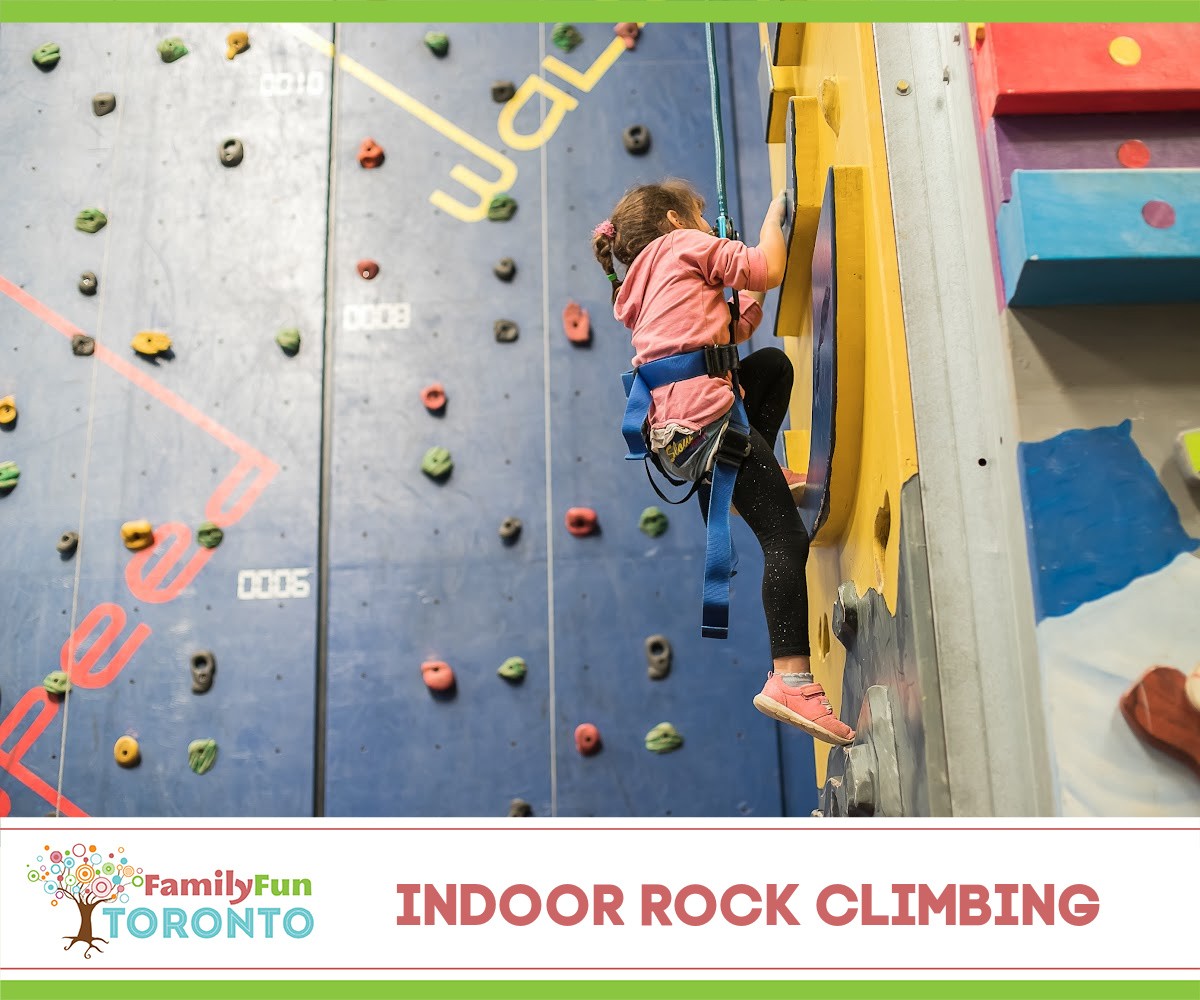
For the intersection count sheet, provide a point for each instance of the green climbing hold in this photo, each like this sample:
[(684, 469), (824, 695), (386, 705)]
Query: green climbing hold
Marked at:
[(91, 220), (289, 340), (566, 36), (46, 56), (653, 522), (437, 43), (209, 535), (10, 472), (502, 208), (512, 669), (437, 463), (202, 754), (171, 49), (663, 739), (56, 682)]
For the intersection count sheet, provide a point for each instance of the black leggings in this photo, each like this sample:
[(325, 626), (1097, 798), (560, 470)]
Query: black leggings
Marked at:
[(765, 502)]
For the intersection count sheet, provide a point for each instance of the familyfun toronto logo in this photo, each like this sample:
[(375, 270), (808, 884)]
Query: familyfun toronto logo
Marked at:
[(90, 877)]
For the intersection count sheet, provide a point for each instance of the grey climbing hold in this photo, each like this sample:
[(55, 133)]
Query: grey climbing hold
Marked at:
[(519, 807), (88, 283), (658, 657), (231, 152), (202, 754), (501, 208), (844, 620), (104, 104), (506, 331), (209, 535), (45, 57), (82, 345), (68, 542), (204, 668), (513, 669), (91, 220), (437, 43), (636, 139), (653, 522), (663, 738), (510, 529), (503, 91), (505, 269)]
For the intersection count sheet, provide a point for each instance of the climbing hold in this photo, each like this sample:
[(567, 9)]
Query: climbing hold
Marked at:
[(56, 682), (202, 754), (519, 808), (88, 283), (438, 676), (628, 32), (45, 57), (513, 669), (126, 752), (8, 410), (433, 397), (503, 91), (636, 139), (501, 208), (204, 667), (1159, 214), (653, 522), (1125, 51), (171, 49), (581, 521), (566, 37), (150, 343), (231, 152), (367, 269), (844, 620), (288, 340), (506, 331), (505, 269), (82, 345), (91, 220), (437, 43), (68, 542), (209, 535), (587, 739), (10, 472), (370, 154), (437, 463), (1158, 710), (510, 529), (1187, 452), (137, 535), (104, 104), (1133, 153), (236, 42), (663, 738), (658, 657), (576, 323)]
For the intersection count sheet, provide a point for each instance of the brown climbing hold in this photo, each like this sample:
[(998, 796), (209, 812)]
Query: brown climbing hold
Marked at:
[(576, 324), (88, 283), (587, 739), (151, 343), (370, 154), (367, 269), (581, 521), (505, 269), (434, 397), (236, 43), (1159, 712), (510, 530), (438, 676), (8, 410), (628, 32), (137, 535), (104, 104), (519, 808), (82, 345), (505, 331), (503, 91), (658, 657), (127, 752)]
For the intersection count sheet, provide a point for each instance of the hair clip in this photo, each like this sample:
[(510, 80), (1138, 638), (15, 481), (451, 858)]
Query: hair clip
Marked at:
[(605, 228), (612, 277)]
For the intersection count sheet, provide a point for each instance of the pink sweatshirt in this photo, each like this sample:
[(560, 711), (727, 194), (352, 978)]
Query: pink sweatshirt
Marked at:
[(673, 301)]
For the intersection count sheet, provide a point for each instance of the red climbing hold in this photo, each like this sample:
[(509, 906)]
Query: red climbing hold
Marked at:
[(370, 154), (367, 269), (581, 521), (628, 32), (437, 675), (587, 739), (576, 324), (1160, 714), (1133, 153), (434, 397)]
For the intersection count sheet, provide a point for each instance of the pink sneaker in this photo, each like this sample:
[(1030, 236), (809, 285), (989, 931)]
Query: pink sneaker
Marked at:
[(804, 706), (796, 482)]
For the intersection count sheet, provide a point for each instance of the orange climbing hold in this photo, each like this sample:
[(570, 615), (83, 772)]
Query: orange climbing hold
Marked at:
[(587, 739), (438, 676), (628, 32), (581, 521), (576, 324), (434, 397), (370, 154)]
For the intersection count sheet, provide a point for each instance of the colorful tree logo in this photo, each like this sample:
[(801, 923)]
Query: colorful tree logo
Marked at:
[(87, 878)]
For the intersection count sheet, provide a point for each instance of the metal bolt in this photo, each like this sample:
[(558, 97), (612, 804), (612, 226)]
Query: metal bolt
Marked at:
[(903, 87)]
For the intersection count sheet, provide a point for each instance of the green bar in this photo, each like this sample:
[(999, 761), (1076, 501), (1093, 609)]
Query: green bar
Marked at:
[(100, 989), (583, 11)]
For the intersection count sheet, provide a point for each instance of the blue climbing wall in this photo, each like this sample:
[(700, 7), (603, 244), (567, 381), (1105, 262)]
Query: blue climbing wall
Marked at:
[(328, 713)]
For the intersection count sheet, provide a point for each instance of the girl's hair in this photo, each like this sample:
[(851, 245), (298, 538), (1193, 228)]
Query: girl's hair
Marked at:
[(639, 219)]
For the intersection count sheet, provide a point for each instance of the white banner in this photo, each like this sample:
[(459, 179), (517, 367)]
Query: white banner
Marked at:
[(546, 899)]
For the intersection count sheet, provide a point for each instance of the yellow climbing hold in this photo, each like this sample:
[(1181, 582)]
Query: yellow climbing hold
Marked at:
[(237, 42), (150, 343), (8, 410), (1125, 51), (137, 534), (126, 751)]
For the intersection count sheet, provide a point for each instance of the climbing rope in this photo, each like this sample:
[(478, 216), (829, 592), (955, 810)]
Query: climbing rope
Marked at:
[(724, 223)]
